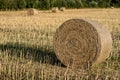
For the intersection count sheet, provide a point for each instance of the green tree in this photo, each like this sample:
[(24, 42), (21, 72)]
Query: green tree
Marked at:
[(21, 4), (93, 4), (103, 3), (10, 4), (61, 3), (2, 4), (36, 4), (45, 4), (29, 3), (115, 3), (71, 3), (79, 3)]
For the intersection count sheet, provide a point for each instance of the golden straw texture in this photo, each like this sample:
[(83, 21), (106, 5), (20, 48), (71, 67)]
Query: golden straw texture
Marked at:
[(79, 41)]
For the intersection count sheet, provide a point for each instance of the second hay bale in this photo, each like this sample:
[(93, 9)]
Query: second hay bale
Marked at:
[(32, 11), (79, 41), (62, 9), (55, 9)]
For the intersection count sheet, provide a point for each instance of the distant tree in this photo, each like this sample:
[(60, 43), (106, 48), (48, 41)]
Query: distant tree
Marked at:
[(10, 4), (29, 3), (61, 3), (71, 3), (2, 4), (21, 4), (79, 4), (53, 3), (45, 4), (93, 4), (85, 3), (115, 3), (103, 3), (36, 4)]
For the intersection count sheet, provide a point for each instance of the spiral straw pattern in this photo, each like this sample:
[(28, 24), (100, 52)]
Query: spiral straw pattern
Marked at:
[(79, 41)]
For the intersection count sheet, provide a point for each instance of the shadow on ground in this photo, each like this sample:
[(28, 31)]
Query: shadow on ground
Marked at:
[(37, 54)]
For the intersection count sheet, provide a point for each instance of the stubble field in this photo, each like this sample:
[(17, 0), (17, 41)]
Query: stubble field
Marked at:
[(26, 46)]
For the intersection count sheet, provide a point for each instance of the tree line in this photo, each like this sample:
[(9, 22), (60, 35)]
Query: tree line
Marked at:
[(48, 4)]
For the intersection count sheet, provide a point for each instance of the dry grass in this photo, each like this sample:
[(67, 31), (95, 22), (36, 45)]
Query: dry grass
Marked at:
[(26, 46)]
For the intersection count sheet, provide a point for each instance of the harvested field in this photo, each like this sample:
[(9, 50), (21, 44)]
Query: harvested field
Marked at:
[(26, 45)]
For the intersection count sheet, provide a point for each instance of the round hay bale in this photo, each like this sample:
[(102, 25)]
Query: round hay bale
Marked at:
[(55, 9), (62, 9), (78, 42), (112, 7), (32, 11)]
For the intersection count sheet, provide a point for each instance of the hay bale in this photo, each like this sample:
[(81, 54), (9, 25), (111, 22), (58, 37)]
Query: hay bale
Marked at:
[(62, 9), (112, 7), (55, 9), (78, 42), (32, 11)]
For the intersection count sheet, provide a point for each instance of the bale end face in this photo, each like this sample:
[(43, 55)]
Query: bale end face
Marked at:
[(55, 9), (32, 11), (79, 41), (62, 9)]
